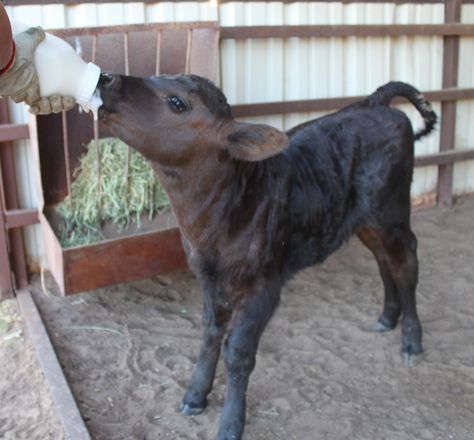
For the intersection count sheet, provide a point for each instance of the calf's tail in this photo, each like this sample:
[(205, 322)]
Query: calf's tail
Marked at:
[(386, 93)]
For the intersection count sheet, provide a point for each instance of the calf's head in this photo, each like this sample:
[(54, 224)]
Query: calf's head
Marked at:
[(172, 120)]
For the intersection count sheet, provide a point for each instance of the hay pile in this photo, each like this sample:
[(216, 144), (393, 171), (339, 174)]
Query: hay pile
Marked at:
[(111, 192)]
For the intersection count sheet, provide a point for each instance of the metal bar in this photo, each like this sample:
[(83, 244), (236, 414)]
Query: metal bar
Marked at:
[(189, 44), (96, 132), (309, 105), (448, 109), (98, 165), (126, 46), (347, 30), (128, 159), (66, 152), (13, 132), (71, 419), (120, 29), (445, 157), (18, 218), (94, 47), (158, 52)]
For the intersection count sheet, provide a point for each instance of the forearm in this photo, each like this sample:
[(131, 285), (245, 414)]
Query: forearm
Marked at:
[(7, 47)]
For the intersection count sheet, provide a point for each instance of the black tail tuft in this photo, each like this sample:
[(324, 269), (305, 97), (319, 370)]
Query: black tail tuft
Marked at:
[(385, 94)]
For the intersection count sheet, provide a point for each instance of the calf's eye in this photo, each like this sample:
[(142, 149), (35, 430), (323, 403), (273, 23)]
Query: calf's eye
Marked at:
[(176, 104)]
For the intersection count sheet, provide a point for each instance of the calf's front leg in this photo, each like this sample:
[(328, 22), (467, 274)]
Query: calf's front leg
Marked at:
[(215, 321), (247, 324)]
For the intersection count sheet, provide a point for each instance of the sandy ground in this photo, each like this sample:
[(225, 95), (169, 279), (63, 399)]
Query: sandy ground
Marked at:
[(322, 373), (26, 409)]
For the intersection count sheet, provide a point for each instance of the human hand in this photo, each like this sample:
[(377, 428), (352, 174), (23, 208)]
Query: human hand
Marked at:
[(20, 82), (52, 104)]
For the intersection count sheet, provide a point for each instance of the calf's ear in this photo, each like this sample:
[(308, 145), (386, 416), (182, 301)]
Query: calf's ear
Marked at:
[(253, 142)]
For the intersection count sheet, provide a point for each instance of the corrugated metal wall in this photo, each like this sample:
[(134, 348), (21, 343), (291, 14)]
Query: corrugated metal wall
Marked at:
[(464, 171), (277, 70)]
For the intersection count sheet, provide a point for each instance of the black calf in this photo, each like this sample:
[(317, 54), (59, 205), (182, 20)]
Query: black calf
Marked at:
[(255, 205)]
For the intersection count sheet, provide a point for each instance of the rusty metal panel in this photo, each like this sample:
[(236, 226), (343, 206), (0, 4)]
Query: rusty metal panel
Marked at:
[(203, 56), (140, 65), (174, 44), (110, 54)]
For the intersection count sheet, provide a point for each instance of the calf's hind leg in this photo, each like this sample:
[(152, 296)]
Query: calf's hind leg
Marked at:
[(395, 251), (392, 307)]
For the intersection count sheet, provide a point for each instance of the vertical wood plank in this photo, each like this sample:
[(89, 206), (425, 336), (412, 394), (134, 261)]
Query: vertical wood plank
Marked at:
[(448, 108)]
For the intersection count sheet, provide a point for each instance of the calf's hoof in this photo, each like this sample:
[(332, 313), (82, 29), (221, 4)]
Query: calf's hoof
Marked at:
[(229, 435), (385, 323), (380, 327), (192, 410), (411, 359), (412, 350)]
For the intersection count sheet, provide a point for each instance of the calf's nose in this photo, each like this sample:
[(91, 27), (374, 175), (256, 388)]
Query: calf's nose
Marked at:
[(106, 79)]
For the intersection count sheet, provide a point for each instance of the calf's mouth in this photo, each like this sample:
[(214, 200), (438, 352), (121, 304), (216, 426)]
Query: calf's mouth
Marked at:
[(108, 87)]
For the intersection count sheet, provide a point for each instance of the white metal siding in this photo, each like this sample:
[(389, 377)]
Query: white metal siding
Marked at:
[(464, 171), (277, 70)]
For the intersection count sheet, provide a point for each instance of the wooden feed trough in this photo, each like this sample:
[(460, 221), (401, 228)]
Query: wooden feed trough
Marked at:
[(59, 141)]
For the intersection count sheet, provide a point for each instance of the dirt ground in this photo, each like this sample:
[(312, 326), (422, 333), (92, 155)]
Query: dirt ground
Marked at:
[(322, 373), (26, 409)]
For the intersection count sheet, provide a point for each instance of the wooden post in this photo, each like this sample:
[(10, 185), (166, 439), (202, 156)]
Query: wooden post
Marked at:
[(13, 270), (448, 108)]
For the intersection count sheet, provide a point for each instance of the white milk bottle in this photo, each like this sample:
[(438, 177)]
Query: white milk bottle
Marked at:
[(62, 71)]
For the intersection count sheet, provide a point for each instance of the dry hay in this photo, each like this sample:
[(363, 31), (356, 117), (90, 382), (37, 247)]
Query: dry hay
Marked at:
[(120, 187)]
